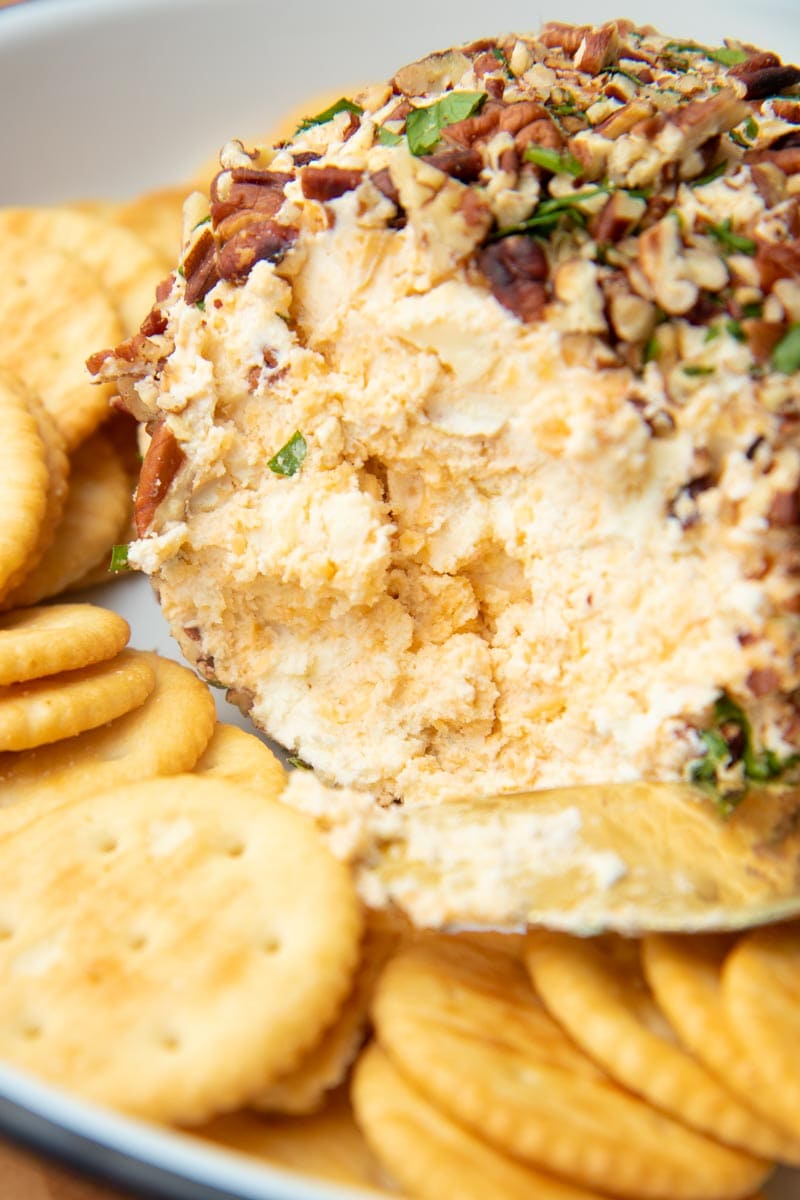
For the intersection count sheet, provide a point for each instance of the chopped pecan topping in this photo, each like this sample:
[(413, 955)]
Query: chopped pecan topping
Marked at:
[(261, 191), (161, 463), (762, 337), (568, 37), (432, 74), (385, 184), (473, 129), (784, 511), (267, 241), (598, 49), (755, 62), (516, 116), (200, 267), (763, 680), (787, 110), (154, 323), (516, 268), (777, 260), (617, 218), (464, 165), (327, 183), (765, 81), (539, 133), (165, 287), (787, 160)]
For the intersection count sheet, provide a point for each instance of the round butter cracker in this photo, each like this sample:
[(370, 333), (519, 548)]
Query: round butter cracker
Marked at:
[(171, 945), (57, 637)]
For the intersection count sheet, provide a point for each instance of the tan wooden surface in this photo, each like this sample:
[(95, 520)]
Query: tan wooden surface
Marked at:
[(24, 1177)]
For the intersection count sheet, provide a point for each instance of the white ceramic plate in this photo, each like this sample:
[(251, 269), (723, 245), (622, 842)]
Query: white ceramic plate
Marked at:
[(106, 98)]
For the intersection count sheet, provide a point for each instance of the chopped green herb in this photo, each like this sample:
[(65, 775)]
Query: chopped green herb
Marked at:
[(727, 56), (181, 271), (119, 558), (546, 216), (786, 355), (501, 58), (294, 761), (215, 683), (734, 328), (712, 333), (711, 175), (557, 161), (697, 369), (387, 138), (686, 48), (564, 110), (625, 74), (204, 221), (201, 304), (652, 349), (730, 240), (424, 125), (751, 129), (738, 139), (342, 105), (730, 740), (754, 309), (289, 458)]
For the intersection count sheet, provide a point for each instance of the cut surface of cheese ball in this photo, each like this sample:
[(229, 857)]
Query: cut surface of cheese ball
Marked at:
[(474, 466)]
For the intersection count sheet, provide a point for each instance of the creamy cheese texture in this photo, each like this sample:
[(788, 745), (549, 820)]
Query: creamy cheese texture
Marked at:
[(520, 551)]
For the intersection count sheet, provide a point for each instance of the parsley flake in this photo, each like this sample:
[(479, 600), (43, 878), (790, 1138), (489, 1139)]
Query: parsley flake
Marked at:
[(556, 161), (727, 742), (786, 355), (289, 458), (387, 138), (342, 105), (424, 125), (119, 558), (697, 369), (727, 56), (710, 176), (735, 242)]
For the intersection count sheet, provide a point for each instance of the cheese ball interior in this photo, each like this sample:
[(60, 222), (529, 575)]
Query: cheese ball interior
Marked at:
[(474, 408)]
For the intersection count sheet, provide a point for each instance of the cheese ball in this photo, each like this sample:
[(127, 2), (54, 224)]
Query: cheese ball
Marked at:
[(474, 455)]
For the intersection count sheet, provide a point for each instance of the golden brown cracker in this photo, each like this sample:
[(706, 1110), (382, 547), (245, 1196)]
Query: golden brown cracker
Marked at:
[(430, 1155), (157, 218), (58, 468), (24, 478), (761, 999), (327, 1144), (170, 945), (685, 976), (242, 758), (55, 313), (165, 736), (126, 265), (525, 1097), (595, 989), (97, 507), (61, 706), (57, 637), (327, 1063)]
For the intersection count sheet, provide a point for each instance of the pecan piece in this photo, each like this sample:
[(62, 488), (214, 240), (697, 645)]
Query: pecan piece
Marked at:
[(617, 218), (763, 680), (516, 116), (598, 49), (154, 323), (777, 260), (262, 192), (539, 133), (568, 37), (164, 457), (464, 165), (472, 129), (765, 81), (328, 183), (516, 268), (784, 511), (200, 267), (267, 241), (787, 159)]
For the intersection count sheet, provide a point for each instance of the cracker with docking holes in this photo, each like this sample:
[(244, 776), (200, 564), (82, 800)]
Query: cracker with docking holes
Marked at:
[(97, 507), (124, 263), (58, 637), (54, 312), (761, 999), (157, 940), (326, 1065), (59, 706), (685, 976), (522, 1085), (429, 1153), (164, 736), (24, 476), (595, 989)]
